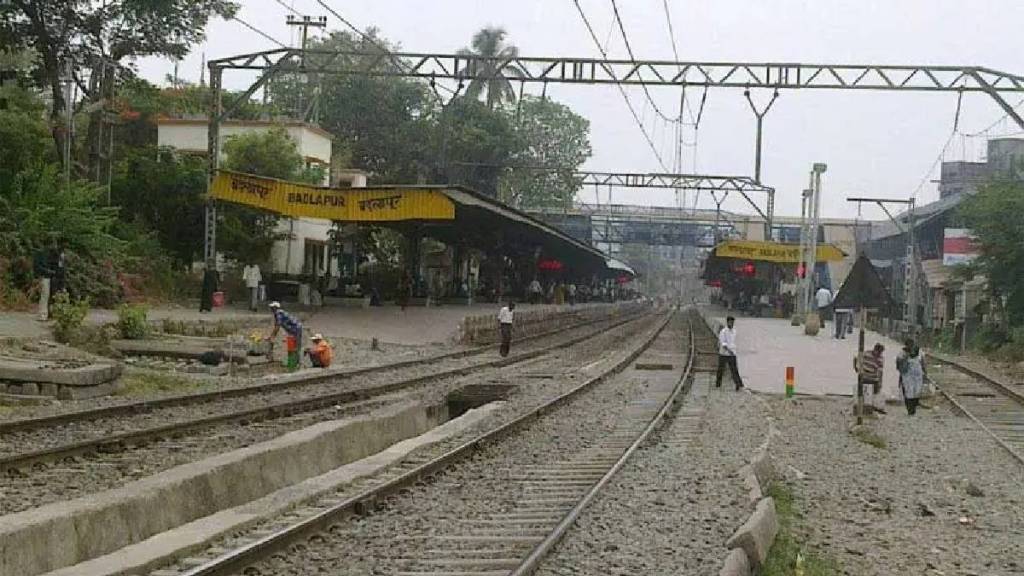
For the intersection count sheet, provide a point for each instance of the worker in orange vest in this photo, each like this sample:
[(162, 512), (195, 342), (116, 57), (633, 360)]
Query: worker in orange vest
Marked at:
[(321, 354)]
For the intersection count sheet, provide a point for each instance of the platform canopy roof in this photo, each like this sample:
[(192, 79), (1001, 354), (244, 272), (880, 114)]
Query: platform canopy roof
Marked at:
[(454, 215)]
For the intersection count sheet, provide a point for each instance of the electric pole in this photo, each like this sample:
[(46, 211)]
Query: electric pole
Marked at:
[(305, 22), (910, 286)]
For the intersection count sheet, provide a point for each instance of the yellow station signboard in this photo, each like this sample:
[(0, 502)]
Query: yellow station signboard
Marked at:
[(773, 251), (348, 205)]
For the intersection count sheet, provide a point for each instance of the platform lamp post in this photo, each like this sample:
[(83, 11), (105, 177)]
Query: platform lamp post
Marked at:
[(801, 309), (811, 258)]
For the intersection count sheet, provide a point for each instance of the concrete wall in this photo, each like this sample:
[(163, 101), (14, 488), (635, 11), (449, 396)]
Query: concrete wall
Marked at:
[(67, 533)]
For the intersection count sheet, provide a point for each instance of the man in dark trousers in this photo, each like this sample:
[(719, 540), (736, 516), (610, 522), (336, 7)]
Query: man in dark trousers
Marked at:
[(727, 354), (505, 318)]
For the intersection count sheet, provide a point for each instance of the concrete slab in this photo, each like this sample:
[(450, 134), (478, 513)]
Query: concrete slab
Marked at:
[(187, 539), (62, 534), (54, 372), (823, 365)]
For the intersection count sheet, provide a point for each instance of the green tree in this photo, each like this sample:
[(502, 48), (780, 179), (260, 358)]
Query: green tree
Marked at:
[(549, 135), (246, 234), (103, 34), (492, 78), (993, 215), (477, 142), (163, 192), (382, 125)]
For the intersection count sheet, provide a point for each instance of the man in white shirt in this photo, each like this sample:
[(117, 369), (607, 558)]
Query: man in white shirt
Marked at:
[(727, 354), (252, 276), (535, 291), (505, 317), (823, 302)]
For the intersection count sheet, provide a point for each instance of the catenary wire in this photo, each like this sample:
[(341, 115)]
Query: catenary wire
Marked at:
[(625, 96), (258, 31), (629, 50)]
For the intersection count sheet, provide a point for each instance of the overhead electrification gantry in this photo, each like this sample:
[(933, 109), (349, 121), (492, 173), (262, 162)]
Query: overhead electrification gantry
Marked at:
[(461, 68)]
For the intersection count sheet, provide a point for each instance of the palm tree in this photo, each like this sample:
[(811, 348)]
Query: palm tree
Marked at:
[(492, 74)]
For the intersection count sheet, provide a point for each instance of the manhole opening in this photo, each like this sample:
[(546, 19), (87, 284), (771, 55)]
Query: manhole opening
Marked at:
[(475, 395)]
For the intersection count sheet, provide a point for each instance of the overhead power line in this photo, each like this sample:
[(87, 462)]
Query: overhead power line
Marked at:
[(258, 31), (629, 104), (632, 58), (370, 39)]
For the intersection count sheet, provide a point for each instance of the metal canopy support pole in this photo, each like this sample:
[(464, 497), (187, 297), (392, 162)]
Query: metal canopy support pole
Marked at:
[(213, 157)]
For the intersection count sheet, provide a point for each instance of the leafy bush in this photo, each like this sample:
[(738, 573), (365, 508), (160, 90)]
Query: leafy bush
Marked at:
[(132, 322), (68, 317), (989, 338)]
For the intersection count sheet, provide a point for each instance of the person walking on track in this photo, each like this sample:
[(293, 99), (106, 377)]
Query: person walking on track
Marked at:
[(727, 354), (505, 319), (910, 364)]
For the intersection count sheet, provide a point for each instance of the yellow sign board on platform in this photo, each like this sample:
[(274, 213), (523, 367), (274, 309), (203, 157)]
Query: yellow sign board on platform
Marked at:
[(349, 205), (773, 251)]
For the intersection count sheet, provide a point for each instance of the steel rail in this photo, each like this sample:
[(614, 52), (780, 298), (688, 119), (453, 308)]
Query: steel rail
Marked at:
[(242, 557), (146, 406), (533, 561), (959, 406), (274, 411)]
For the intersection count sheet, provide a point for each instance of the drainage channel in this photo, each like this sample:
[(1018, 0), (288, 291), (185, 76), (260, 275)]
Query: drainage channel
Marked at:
[(558, 488)]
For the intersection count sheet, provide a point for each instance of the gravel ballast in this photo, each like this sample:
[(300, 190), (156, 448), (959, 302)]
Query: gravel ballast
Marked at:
[(940, 498), (673, 506)]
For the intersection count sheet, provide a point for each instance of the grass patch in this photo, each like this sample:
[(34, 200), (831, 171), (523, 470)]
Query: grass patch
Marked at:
[(148, 384), (869, 437), (786, 557)]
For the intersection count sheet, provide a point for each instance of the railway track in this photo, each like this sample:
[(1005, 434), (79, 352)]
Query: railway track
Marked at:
[(993, 406), (112, 464), (275, 386), (114, 428), (566, 467)]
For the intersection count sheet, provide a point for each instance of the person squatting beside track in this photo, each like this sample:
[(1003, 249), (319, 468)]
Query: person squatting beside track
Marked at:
[(505, 318), (321, 354)]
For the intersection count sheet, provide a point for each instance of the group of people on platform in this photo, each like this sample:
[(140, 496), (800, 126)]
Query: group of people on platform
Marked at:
[(868, 366)]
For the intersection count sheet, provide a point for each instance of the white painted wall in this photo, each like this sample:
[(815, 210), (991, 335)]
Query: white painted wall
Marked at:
[(190, 136)]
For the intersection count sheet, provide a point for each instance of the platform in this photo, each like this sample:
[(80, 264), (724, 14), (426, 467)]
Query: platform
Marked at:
[(823, 365)]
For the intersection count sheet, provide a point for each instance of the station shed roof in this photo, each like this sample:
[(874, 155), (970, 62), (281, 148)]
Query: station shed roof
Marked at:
[(452, 214)]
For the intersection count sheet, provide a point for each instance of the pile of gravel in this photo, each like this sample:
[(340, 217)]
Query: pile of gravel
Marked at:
[(673, 506), (940, 498)]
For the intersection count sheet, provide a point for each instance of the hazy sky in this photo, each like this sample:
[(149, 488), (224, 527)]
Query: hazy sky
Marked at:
[(875, 143)]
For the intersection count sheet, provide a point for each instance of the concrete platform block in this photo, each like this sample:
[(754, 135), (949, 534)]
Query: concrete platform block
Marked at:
[(736, 564), (66, 533), (750, 482), (756, 535)]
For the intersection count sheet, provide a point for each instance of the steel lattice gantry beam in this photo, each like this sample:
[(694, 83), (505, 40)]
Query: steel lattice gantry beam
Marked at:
[(458, 67), (774, 75), (703, 182)]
